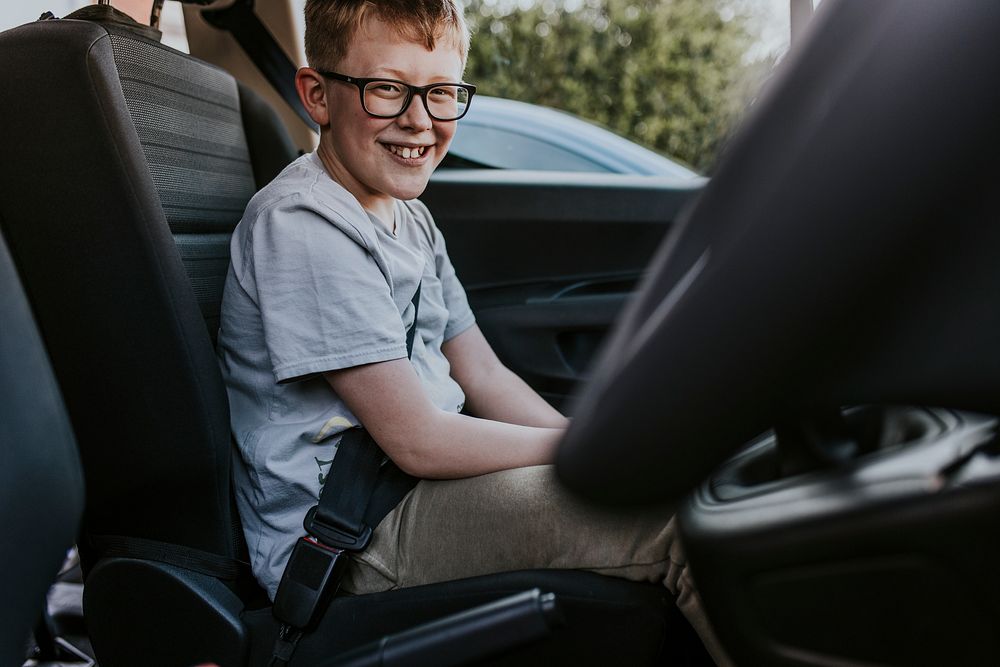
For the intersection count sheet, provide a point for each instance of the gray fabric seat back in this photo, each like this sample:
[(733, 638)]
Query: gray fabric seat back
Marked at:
[(191, 119), (187, 118), (126, 169)]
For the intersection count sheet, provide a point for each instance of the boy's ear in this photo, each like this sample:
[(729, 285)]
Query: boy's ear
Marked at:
[(311, 89)]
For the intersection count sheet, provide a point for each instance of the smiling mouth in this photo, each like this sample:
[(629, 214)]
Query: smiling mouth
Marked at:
[(406, 152)]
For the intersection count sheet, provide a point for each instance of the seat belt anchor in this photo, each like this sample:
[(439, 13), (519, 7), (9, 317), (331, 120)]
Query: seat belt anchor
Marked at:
[(311, 578)]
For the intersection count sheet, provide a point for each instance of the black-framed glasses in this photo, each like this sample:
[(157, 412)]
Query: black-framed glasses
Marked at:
[(389, 98)]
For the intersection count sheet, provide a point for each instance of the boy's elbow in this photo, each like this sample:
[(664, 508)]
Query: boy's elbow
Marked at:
[(416, 461), (415, 451), (414, 465)]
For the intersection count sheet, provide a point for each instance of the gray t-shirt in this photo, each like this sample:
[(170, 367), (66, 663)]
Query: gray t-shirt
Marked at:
[(317, 284)]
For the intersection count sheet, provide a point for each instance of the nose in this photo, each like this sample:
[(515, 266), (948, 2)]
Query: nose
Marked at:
[(415, 116)]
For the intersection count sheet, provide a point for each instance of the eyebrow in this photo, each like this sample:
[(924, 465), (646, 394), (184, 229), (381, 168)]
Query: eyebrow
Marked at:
[(396, 74)]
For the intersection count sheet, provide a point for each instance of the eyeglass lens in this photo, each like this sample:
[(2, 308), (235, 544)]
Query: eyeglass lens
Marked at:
[(386, 98)]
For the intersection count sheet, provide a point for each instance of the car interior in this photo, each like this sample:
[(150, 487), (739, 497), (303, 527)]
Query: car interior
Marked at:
[(800, 356)]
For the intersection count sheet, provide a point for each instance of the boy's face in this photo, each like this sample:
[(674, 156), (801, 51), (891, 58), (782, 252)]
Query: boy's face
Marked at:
[(365, 153)]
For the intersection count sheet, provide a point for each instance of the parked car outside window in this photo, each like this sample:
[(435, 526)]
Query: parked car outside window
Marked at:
[(506, 134)]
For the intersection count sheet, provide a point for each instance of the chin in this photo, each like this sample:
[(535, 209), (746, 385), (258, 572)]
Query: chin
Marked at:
[(411, 189)]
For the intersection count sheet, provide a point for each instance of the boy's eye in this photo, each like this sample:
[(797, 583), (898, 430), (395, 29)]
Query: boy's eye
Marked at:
[(386, 89), (444, 92)]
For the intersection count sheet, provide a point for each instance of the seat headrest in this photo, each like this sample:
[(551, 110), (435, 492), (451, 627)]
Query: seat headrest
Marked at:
[(108, 15)]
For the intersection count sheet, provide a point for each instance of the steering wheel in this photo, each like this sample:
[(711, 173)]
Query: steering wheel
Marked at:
[(844, 252)]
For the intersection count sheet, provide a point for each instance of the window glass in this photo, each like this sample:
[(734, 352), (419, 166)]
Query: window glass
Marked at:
[(675, 77), (502, 149), (24, 11), (15, 13)]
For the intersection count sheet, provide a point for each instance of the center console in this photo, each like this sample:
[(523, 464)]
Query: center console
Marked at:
[(868, 537)]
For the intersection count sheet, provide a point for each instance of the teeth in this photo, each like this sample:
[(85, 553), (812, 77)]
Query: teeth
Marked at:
[(406, 152)]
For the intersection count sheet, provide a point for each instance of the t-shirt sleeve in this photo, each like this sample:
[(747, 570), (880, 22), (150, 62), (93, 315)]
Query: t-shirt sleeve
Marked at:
[(460, 315), (324, 302)]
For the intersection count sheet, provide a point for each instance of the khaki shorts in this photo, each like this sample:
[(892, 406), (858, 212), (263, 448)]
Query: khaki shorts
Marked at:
[(517, 520)]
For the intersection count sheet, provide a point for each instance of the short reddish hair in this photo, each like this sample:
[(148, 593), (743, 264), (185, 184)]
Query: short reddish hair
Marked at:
[(332, 24)]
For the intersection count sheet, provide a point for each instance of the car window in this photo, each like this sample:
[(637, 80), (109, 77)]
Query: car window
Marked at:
[(502, 149), (673, 77), (24, 11)]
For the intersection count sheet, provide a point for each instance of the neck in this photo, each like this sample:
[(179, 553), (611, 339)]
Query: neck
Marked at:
[(379, 205), (386, 215)]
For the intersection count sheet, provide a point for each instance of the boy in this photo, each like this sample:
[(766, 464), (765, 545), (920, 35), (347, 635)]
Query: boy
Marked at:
[(317, 304)]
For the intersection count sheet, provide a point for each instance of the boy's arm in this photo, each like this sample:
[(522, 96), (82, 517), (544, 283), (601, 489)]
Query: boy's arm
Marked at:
[(492, 391), (426, 441)]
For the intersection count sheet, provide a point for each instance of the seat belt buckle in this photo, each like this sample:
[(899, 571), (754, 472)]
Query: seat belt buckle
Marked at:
[(311, 578), (335, 537)]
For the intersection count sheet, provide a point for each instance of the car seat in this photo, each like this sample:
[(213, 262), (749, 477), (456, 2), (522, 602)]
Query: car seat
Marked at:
[(127, 165), (41, 483)]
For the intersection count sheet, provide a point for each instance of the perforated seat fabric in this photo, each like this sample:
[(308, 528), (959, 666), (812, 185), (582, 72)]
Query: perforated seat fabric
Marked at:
[(187, 115)]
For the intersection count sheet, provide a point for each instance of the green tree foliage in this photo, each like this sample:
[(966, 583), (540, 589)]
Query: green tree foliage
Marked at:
[(670, 74)]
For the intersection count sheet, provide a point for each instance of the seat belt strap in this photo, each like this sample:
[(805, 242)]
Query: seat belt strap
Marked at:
[(341, 519), (362, 487), (393, 484), (188, 558), (412, 331), (262, 48), (338, 519)]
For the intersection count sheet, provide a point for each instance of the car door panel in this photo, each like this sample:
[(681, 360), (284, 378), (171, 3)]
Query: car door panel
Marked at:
[(550, 259), (550, 343)]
